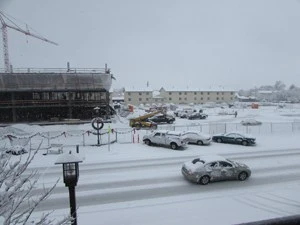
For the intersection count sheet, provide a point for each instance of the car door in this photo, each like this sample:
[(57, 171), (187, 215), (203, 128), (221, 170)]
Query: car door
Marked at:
[(158, 138), (229, 138), (238, 139), (227, 170), (214, 171), (192, 138)]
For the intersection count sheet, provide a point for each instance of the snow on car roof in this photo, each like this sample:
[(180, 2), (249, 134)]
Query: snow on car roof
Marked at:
[(175, 132), (212, 158)]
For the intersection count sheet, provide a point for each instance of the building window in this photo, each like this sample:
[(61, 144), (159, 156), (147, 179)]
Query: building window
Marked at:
[(140, 99), (170, 99), (201, 98), (195, 93), (179, 93), (201, 93), (184, 93), (129, 99), (140, 93), (36, 95), (170, 93), (207, 98), (208, 93), (129, 93), (231, 93), (217, 93), (147, 99), (179, 99), (217, 98)]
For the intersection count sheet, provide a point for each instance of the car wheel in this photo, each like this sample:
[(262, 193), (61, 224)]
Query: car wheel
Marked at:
[(174, 146), (147, 142), (219, 140), (199, 143), (204, 180), (245, 143), (242, 176)]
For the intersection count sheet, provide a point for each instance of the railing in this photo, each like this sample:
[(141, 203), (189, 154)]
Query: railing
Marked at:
[(215, 128), (50, 102), (57, 70)]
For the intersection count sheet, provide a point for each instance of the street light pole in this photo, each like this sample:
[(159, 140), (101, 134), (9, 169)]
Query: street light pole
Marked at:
[(73, 204), (71, 175)]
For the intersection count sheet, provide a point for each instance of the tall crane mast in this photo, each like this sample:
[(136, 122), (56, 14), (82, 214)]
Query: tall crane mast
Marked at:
[(5, 39)]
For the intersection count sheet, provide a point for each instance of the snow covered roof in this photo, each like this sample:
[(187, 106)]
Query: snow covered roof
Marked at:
[(139, 89), (196, 89), (117, 98)]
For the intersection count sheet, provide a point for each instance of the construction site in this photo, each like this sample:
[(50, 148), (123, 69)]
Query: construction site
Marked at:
[(55, 94)]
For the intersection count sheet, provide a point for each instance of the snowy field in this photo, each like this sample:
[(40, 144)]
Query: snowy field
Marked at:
[(131, 183)]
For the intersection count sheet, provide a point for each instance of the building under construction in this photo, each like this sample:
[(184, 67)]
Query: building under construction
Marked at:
[(30, 95)]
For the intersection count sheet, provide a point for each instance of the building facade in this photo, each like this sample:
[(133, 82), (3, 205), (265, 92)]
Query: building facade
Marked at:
[(179, 96), (43, 95)]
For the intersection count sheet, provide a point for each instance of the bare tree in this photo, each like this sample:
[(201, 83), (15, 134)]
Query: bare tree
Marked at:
[(17, 203)]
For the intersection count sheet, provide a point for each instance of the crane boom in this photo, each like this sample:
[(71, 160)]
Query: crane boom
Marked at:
[(31, 34), (5, 40)]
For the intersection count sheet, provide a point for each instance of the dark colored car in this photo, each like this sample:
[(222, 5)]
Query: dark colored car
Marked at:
[(162, 119), (234, 138), (197, 116)]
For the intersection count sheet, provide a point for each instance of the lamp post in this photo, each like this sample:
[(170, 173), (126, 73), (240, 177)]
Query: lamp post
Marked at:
[(71, 175)]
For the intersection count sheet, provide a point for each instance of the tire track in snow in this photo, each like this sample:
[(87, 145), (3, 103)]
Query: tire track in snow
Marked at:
[(183, 188)]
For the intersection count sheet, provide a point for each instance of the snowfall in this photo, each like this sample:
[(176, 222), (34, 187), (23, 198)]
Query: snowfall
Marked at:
[(128, 182)]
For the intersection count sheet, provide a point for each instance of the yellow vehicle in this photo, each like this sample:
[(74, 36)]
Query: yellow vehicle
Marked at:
[(141, 121)]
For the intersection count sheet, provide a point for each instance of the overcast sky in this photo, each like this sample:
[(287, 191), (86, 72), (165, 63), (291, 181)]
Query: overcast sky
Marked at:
[(193, 43)]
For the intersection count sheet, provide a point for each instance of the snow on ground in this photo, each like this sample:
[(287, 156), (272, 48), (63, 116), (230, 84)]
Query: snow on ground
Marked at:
[(159, 195)]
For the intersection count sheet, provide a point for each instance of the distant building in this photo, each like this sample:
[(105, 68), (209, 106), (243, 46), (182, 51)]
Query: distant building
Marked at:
[(138, 96), (178, 96)]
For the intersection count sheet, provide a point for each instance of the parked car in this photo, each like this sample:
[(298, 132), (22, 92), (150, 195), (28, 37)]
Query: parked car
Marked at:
[(16, 150), (211, 168), (163, 118), (234, 138), (172, 139), (250, 122), (197, 116), (196, 137), (184, 113)]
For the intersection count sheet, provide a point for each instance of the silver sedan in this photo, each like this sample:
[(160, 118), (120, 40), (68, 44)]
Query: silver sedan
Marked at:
[(196, 137), (211, 168)]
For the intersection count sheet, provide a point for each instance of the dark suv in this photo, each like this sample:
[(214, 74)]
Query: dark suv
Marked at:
[(162, 119)]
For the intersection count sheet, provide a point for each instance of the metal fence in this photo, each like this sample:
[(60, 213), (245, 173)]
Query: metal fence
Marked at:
[(129, 135), (214, 128)]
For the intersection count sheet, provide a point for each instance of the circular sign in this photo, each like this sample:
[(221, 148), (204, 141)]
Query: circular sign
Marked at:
[(97, 123)]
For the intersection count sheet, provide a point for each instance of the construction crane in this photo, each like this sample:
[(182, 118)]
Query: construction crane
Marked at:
[(5, 39)]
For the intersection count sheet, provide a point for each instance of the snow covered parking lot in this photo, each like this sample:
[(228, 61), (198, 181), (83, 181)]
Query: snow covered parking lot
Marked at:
[(138, 184)]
